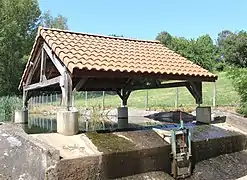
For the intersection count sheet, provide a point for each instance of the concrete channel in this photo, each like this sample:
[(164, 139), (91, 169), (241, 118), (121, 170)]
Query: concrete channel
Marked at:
[(120, 155)]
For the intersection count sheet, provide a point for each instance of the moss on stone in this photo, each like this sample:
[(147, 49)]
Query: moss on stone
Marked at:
[(108, 142)]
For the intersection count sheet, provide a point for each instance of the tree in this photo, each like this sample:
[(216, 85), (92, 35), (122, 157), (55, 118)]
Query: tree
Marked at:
[(59, 22), (204, 52), (165, 38), (239, 77), (234, 49), (18, 24), (222, 36), (201, 51)]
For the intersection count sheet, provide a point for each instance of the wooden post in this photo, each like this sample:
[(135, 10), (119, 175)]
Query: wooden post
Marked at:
[(176, 99), (214, 94), (66, 87)]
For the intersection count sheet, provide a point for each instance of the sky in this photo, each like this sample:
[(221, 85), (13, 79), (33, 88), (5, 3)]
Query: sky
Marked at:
[(144, 19)]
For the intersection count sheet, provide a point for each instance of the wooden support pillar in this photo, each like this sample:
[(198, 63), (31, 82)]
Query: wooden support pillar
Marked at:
[(66, 87), (195, 88), (124, 95), (123, 110)]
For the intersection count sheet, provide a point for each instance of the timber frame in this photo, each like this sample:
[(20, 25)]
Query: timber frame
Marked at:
[(59, 78), (63, 79)]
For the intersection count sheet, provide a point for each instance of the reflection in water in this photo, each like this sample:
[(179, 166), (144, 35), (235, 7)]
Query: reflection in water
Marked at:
[(48, 124), (40, 125)]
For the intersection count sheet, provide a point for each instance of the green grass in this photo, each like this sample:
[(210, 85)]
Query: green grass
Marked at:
[(163, 98)]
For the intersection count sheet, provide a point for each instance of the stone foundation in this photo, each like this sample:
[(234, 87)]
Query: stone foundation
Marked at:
[(21, 116), (67, 122)]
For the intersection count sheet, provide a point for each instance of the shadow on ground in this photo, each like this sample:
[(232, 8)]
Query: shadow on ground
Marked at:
[(224, 167)]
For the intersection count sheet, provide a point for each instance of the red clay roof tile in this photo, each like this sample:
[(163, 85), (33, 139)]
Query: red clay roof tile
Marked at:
[(87, 51)]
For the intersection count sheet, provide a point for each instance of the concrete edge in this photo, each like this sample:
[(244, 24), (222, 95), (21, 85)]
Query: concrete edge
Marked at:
[(52, 156)]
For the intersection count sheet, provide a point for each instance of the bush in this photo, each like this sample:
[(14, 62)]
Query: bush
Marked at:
[(220, 66), (239, 76), (7, 107), (243, 109)]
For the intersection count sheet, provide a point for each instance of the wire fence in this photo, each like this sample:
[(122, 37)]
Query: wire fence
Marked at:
[(144, 99), (173, 98)]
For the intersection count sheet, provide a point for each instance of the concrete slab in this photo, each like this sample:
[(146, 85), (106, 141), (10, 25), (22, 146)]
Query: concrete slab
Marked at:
[(69, 146)]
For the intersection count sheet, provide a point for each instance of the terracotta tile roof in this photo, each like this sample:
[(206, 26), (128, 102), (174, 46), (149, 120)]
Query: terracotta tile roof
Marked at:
[(97, 52)]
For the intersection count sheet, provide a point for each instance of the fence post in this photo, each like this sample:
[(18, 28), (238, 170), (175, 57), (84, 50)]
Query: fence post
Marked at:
[(86, 99), (103, 100), (214, 94), (51, 99), (146, 101), (40, 100), (176, 98), (56, 102)]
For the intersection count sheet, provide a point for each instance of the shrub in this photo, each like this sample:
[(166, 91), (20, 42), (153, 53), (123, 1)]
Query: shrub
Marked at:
[(239, 76), (220, 66), (243, 109), (7, 107)]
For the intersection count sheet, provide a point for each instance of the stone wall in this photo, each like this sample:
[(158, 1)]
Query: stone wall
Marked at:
[(205, 149), (21, 157)]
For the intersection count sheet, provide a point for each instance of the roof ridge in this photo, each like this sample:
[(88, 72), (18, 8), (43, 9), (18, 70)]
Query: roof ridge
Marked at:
[(98, 35)]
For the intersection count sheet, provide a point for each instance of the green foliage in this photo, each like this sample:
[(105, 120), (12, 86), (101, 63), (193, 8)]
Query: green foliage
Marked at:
[(18, 24), (165, 38), (222, 36), (59, 22), (234, 49), (239, 76), (200, 51), (243, 109), (7, 107), (220, 66)]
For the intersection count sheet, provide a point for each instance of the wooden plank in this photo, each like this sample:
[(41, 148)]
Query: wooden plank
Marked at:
[(42, 84), (118, 74)]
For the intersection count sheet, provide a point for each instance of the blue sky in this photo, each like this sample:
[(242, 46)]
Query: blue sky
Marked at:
[(144, 19)]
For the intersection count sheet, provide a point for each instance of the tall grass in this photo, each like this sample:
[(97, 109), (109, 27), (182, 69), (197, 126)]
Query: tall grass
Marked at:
[(8, 105)]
